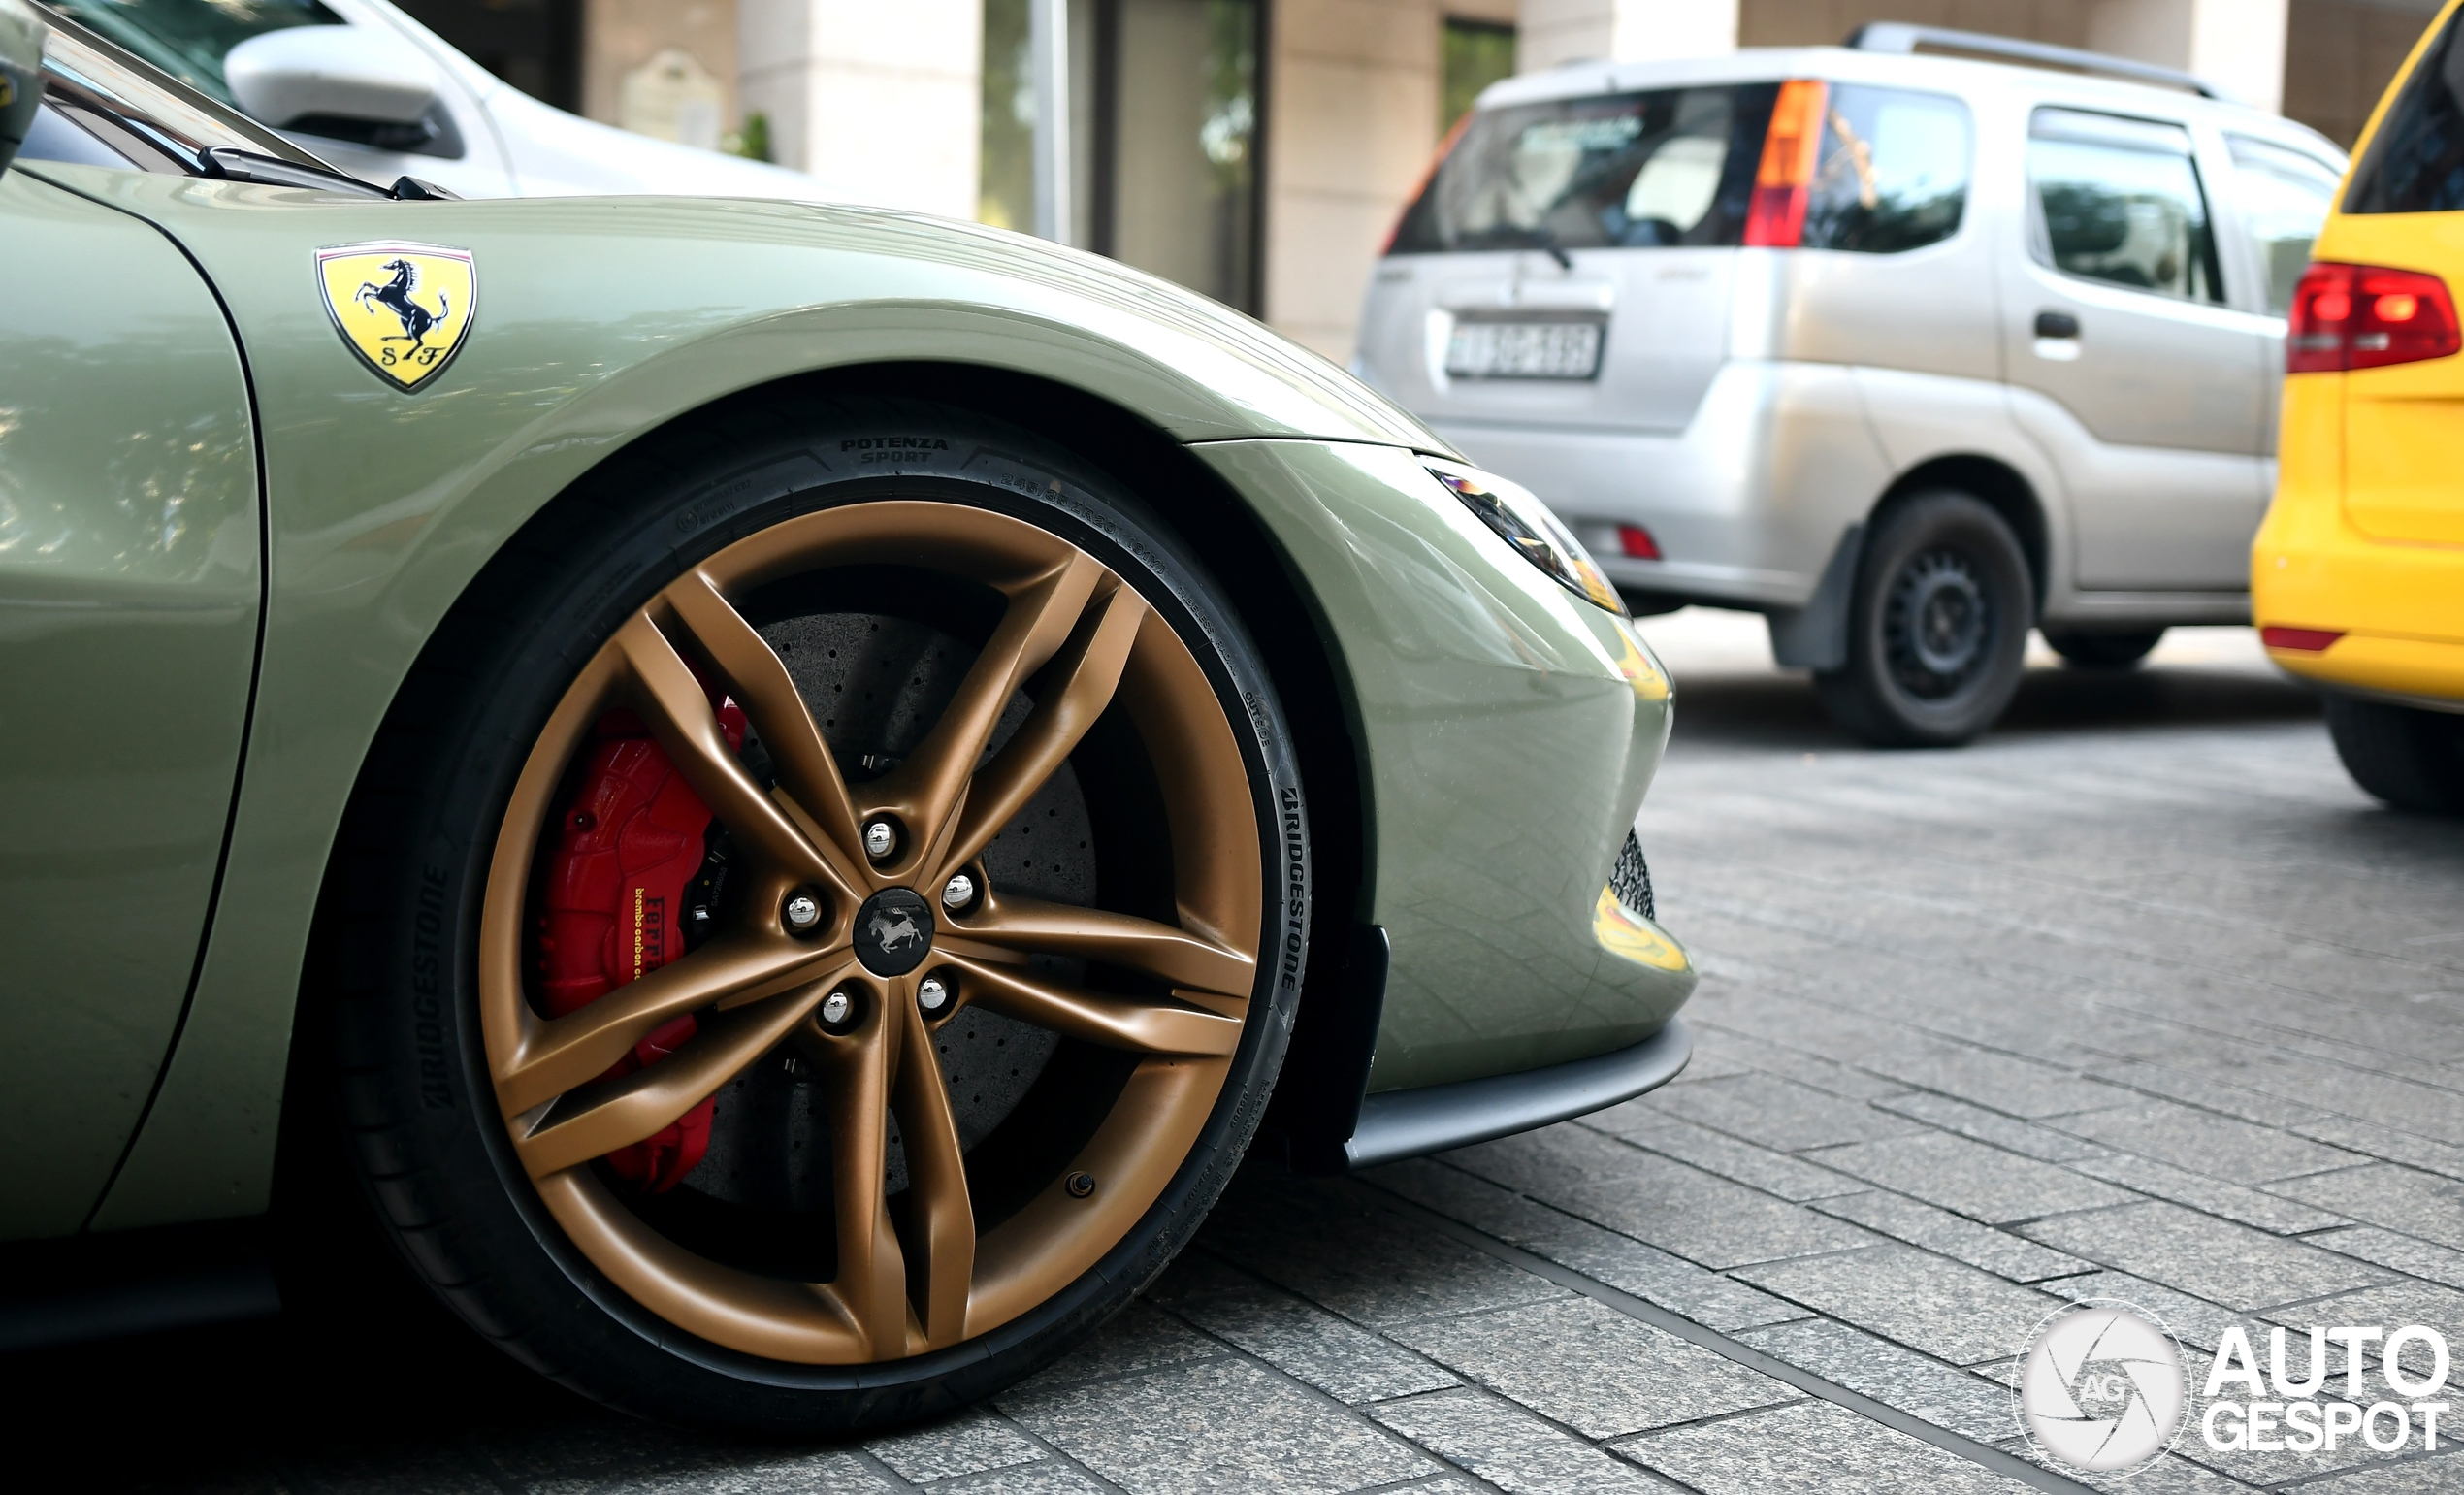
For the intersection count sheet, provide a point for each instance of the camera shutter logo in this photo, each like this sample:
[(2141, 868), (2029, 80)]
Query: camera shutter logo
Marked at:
[(2101, 1388)]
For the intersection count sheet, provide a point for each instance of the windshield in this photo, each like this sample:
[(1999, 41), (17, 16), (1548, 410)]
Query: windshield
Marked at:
[(189, 38), (144, 115), (1631, 170)]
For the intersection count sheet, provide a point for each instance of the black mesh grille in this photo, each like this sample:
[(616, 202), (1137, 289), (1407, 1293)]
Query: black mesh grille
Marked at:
[(1631, 881)]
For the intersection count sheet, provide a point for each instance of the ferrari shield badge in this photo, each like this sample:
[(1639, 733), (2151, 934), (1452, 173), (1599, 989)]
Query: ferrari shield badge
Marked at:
[(405, 308)]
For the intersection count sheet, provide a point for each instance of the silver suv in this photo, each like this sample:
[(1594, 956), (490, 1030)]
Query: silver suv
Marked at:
[(1906, 352)]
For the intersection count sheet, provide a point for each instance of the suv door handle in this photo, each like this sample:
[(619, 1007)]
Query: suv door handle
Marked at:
[(2057, 324)]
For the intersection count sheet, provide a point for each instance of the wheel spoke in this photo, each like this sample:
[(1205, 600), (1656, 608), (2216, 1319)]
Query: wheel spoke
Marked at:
[(1145, 1025), (928, 787), (940, 1238), (624, 1112), (768, 694), (856, 1072), (560, 1053), (679, 716), (1088, 667), (1031, 926)]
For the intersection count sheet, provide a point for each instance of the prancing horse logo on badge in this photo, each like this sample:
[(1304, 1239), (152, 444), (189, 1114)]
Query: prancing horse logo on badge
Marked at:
[(405, 308)]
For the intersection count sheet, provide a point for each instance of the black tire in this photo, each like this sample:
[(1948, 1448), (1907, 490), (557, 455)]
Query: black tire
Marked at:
[(2412, 759), (1937, 625), (2103, 651), (399, 921)]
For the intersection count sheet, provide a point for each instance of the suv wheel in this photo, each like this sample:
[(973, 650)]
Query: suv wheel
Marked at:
[(2103, 651), (800, 971), (2412, 759), (1937, 625)]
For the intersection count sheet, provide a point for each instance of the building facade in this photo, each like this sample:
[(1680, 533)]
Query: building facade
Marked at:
[(1260, 151)]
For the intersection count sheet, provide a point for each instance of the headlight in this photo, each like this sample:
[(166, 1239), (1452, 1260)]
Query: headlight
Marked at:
[(1524, 522)]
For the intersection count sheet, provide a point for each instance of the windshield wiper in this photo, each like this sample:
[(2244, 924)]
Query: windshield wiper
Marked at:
[(1548, 244), (233, 164)]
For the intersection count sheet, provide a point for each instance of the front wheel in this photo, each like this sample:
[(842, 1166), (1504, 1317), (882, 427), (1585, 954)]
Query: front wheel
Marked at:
[(1937, 625), (2412, 759), (804, 975)]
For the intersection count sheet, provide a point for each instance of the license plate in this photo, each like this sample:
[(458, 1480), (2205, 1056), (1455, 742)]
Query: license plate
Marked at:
[(1524, 350)]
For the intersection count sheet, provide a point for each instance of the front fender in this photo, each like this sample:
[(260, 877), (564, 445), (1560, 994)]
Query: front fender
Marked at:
[(594, 321)]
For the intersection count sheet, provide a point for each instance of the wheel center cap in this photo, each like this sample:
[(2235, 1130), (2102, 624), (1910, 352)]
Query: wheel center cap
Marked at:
[(894, 931)]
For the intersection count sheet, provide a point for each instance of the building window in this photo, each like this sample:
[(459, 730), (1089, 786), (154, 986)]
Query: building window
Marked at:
[(1165, 113), (1476, 55)]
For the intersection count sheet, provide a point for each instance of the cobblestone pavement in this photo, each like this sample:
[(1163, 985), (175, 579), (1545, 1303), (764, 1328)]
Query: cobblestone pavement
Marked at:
[(2137, 998)]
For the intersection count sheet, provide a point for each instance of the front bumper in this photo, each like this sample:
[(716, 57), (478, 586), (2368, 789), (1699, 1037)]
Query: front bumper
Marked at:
[(1414, 1123), (1506, 731)]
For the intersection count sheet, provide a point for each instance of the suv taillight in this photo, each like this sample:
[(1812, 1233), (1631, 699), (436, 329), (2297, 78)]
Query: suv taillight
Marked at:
[(2361, 316), (1775, 217)]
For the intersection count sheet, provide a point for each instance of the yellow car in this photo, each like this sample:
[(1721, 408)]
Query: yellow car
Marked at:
[(2357, 576)]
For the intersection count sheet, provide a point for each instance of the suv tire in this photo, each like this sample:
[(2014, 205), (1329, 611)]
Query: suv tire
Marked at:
[(2103, 651), (1937, 625), (2412, 759)]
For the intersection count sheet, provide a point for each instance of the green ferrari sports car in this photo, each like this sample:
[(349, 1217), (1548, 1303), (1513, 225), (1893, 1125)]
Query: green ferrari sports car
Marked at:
[(777, 794)]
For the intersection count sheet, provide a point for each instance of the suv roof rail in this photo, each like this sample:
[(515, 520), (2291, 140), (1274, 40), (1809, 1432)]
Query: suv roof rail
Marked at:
[(1892, 36)]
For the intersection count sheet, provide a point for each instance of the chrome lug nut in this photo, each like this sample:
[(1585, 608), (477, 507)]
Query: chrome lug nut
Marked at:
[(879, 839), (957, 892), (801, 913), (836, 1008), (932, 994)]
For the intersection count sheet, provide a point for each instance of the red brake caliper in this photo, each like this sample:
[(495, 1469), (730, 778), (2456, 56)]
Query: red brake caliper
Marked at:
[(630, 841)]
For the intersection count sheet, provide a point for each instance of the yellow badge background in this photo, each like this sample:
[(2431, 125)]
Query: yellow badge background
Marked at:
[(442, 280)]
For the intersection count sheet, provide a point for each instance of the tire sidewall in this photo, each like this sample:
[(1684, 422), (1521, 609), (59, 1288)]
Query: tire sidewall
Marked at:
[(1958, 521), (444, 1173)]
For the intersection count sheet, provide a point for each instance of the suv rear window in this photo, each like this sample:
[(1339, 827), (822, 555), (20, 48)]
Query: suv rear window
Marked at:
[(2416, 162), (1628, 170), (1892, 174)]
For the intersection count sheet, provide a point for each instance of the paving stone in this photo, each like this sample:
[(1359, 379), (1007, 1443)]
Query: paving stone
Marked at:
[(1969, 1177), (2028, 1139), (1622, 1262), (1695, 1215), (2196, 1322), (2394, 1147), (1593, 1369), (1306, 1342), (835, 1473), (1140, 1339), (2208, 1094), (2407, 1199), (1944, 1233), (1892, 1375), (1333, 1245), (1213, 1426), (1951, 1311), (2203, 1141), (2202, 1256), (1744, 1051), (1773, 1111), (1815, 1448), (2438, 1473), (967, 1443), (1510, 1447), (1755, 1167), (2268, 1212), (2390, 1307), (2388, 1248), (1052, 1476)]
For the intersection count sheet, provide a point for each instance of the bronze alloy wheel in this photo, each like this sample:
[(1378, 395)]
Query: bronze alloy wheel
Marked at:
[(992, 800), (930, 1281)]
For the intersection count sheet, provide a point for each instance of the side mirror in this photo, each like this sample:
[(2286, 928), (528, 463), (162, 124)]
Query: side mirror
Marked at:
[(351, 82), (21, 34)]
